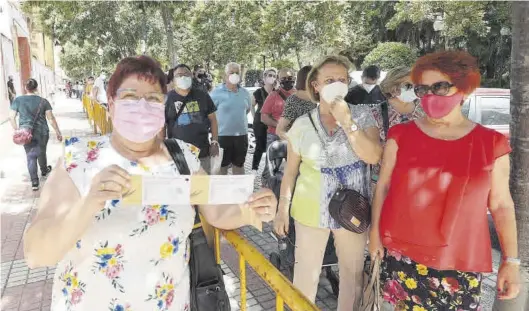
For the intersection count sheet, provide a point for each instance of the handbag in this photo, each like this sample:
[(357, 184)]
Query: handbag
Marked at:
[(370, 300), (208, 292), (347, 207), (24, 136)]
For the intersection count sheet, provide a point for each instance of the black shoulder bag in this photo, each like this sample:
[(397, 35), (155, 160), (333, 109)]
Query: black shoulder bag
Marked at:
[(347, 207), (208, 292)]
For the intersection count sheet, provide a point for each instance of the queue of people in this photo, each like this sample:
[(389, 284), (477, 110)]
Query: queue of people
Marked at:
[(402, 144)]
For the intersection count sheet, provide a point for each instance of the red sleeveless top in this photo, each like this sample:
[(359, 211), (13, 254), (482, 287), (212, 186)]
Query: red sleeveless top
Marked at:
[(436, 208)]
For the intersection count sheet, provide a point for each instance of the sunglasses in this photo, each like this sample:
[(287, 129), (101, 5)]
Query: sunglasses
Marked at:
[(288, 79), (439, 88)]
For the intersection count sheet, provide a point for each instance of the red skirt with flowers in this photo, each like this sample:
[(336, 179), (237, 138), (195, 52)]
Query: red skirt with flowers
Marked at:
[(408, 285)]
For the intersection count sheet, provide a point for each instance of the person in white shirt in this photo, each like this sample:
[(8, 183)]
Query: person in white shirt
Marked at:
[(98, 92)]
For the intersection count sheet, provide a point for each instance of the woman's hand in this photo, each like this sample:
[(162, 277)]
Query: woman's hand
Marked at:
[(341, 112), (282, 219), (263, 202), (109, 184), (375, 244), (508, 283)]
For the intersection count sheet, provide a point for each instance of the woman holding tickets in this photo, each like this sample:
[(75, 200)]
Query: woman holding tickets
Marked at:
[(326, 155), (439, 176), (115, 257)]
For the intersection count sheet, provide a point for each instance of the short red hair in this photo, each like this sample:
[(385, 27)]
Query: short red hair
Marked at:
[(143, 66), (461, 67)]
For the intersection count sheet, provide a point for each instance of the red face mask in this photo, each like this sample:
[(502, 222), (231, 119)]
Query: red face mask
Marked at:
[(437, 107)]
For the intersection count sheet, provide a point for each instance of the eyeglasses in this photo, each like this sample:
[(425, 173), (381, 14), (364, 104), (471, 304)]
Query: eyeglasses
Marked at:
[(130, 94), (439, 88)]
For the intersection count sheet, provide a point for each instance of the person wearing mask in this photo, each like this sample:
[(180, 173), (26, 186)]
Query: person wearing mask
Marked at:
[(296, 105), (367, 93), (11, 93), (115, 256), (440, 175), (274, 104), (401, 105), (99, 92), (89, 85), (233, 104), (189, 113), (323, 156), (33, 111), (200, 79), (259, 128)]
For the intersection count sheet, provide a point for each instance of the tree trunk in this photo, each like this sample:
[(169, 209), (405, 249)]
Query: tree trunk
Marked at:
[(167, 15), (519, 182), (298, 57)]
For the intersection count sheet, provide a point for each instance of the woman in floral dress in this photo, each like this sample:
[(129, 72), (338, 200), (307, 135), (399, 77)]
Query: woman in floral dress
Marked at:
[(120, 257), (440, 174)]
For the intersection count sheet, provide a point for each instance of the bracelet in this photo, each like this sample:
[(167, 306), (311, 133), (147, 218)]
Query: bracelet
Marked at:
[(512, 260)]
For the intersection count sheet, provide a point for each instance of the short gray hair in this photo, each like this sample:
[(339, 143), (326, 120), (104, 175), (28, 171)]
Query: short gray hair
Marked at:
[(230, 65)]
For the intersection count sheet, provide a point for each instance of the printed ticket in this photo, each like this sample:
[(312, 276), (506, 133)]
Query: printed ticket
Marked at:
[(195, 189)]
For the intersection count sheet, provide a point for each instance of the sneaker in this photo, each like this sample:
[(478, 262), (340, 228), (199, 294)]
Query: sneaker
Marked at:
[(35, 186), (47, 171)]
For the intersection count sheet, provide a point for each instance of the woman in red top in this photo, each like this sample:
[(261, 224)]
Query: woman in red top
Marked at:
[(439, 175)]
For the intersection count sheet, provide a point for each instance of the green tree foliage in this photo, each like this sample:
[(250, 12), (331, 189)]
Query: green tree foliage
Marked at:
[(213, 33), (389, 55)]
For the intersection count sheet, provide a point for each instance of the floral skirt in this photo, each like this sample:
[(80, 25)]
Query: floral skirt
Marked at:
[(408, 285)]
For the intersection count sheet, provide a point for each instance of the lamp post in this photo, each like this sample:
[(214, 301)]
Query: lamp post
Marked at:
[(264, 62), (100, 53)]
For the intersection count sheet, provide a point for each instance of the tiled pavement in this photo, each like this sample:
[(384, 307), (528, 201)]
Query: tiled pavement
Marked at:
[(23, 289)]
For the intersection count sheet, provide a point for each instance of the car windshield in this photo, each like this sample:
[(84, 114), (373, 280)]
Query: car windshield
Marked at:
[(495, 110)]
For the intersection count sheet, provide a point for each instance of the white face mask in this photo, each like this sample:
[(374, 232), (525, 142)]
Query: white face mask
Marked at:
[(407, 96), (369, 87), (331, 91), (184, 83), (270, 80), (234, 78)]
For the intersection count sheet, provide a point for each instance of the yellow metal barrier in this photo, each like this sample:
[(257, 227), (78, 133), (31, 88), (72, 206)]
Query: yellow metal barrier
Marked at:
[(286, 293), (97, 116)]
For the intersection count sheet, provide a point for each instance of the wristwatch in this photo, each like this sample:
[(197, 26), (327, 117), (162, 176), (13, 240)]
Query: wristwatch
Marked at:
[(214, 142), (351, 129), (512, 260)]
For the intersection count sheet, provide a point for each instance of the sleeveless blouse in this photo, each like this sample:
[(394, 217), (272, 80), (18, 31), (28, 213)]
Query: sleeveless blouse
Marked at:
[(435, 211), (131, 257)]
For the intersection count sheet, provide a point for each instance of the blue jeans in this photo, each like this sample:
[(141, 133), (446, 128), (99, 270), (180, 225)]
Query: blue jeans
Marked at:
[(36, 153)]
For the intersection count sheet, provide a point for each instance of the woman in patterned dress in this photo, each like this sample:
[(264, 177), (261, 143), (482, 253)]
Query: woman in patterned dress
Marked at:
[(440, 174), (401, 105), (296, 105), (327, 155), (116, 257)]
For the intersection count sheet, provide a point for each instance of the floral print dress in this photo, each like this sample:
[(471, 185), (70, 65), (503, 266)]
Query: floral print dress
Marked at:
[(132, 257), (408, 285)]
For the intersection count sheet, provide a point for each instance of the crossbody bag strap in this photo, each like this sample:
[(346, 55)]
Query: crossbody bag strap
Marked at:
[(282, 95), (35, 117), (180, 161)]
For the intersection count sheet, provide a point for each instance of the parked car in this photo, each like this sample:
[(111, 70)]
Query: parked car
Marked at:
[(490, 107)]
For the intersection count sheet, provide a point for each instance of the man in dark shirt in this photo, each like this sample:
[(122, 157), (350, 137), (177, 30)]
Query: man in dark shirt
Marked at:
[(11, 90), (367, 93), (189, 113), (201, 79)]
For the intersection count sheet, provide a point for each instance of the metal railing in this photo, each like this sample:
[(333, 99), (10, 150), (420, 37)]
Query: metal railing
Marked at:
[(285, 291), (97, 116)]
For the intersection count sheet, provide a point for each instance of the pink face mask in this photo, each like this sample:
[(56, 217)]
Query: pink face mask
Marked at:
[(138, 120), (437, 107)]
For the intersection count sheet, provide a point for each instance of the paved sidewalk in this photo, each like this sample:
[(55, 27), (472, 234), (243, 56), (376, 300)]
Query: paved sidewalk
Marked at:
[(24, 289)]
